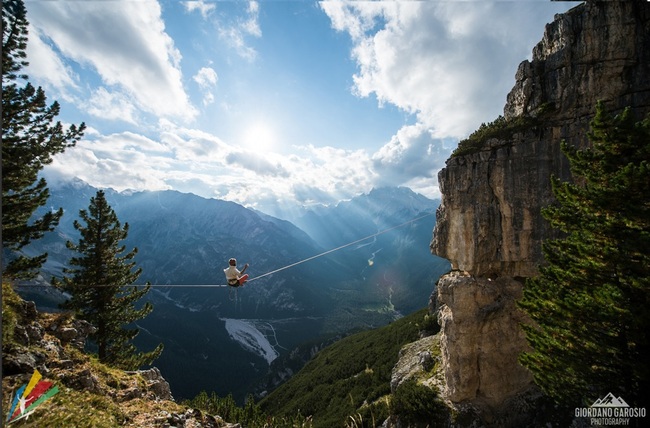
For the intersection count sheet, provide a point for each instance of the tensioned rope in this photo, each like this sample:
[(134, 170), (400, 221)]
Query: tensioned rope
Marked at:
[(292, 264), (339, 248)]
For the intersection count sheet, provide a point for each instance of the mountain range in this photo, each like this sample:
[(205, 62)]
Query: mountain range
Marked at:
[(223, 339)]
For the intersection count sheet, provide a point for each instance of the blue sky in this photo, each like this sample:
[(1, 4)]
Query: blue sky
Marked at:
[(275, 104)]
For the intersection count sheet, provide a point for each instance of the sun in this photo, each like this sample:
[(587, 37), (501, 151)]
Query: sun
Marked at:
[(259, 136)]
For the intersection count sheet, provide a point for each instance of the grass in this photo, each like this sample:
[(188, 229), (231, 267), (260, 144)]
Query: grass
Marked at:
[(349, 381), (11, 304)]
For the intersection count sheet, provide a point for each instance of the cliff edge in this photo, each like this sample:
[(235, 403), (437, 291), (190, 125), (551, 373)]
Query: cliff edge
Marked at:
[(489, 224)]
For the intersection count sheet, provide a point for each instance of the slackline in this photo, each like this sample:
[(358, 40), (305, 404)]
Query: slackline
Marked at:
[(273, 271)]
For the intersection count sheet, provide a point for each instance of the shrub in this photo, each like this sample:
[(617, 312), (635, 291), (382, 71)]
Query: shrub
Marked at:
[(418, 404), (502, 129), (10, 306), (250, 415)]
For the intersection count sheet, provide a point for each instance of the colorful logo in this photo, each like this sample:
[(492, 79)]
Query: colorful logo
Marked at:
[(29, 397)]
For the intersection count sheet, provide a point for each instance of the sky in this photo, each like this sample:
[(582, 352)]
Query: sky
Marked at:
[(275, 104)]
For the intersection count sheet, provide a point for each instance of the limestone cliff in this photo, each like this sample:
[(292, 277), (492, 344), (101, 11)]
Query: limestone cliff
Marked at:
[(489, 224)]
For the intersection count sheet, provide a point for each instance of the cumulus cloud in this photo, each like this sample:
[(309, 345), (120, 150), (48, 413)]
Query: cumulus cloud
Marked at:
[(192, 145), (260, 164), (412, 152), (193, 160), (449, 63), (118, 161), (125, 43), (206, 77), (48, 67), (111, 106)]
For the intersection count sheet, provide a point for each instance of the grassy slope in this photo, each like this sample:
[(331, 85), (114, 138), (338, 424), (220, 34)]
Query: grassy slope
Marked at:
[(341, 378)]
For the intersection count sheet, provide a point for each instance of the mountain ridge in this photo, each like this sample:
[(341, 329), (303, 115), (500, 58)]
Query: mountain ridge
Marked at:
[(185, 240)]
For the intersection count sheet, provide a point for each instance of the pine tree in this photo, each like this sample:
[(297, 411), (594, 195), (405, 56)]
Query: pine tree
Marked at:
[(100, 286), (590, 301), (29, 140)]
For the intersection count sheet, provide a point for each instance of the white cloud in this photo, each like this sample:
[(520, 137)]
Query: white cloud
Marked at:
[(260, 164), (449, 63), (236, 34), (204, 8), (45, 65), (251, 25), (345, 16), (191, 146), (117, 161), (111, 106), (126, 44), (193, 160), (412, 153), (207, 79)]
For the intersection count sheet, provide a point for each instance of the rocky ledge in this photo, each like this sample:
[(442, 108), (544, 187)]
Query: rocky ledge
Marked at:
[(53, 343)]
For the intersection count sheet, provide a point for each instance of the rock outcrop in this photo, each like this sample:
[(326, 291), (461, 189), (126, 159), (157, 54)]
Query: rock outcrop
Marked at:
[(482, 339), (52, 343), (489, 224), (414, 359)]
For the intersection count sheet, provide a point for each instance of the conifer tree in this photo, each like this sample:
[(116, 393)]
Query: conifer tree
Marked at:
[(101, 286), (29, 140), (590, 301)]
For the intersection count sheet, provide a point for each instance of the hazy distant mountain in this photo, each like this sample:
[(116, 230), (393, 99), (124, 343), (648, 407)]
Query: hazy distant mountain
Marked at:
[(184, 239), (366, 214), (222, 339), (395, 265)]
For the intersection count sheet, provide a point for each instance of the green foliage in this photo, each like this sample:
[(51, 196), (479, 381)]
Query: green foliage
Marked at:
[(99, 285), (590, 301), (249, 416), (14, 40), (370, 416), (500, 128), (29, 140), (10, 308), (477, 139), (417, 404), (430, 324), (343, 379)]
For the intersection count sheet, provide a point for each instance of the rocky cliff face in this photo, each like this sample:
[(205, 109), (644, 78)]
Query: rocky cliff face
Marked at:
[(489, 223)]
